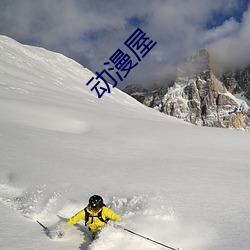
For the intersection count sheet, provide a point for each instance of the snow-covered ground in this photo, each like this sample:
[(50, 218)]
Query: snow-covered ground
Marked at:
[(179, 184)]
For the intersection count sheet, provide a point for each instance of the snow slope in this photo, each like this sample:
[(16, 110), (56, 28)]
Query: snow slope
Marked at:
[(176, 183)]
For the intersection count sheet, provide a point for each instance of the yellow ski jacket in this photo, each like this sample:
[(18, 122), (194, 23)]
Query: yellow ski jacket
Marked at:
[(94, 223)]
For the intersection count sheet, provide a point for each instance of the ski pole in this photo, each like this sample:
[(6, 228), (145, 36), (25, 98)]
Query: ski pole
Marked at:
[(146, 238), (45, 228)]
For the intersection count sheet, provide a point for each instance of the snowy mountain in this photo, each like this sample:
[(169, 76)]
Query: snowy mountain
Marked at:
[(201, 96), (237, 81), (182, 185)]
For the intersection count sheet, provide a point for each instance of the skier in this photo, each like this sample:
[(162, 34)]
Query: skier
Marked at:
[(95, 214)]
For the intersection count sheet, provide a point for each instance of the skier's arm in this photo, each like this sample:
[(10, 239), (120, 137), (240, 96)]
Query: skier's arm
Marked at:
[(77, 217), (110, 214)]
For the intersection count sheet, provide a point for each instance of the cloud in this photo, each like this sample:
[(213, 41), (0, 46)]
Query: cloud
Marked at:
[(233, 49), (90, 31), (228, 28)]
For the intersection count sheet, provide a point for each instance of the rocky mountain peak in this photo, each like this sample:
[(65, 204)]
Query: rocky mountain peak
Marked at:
[(202, 97), (196, 64)]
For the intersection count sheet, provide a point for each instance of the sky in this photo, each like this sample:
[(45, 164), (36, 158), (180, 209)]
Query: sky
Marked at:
[(91, 31)]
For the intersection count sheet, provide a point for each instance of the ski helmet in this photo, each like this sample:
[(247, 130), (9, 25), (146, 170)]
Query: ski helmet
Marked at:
[(96, 202)]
